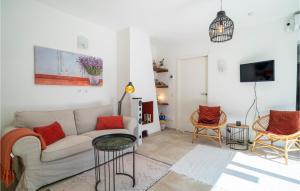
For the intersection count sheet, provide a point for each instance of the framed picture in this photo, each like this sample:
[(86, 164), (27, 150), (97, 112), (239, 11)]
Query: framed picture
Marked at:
[(57, 67)]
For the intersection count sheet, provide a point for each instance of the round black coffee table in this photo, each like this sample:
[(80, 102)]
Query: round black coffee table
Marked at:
[(112, 147)]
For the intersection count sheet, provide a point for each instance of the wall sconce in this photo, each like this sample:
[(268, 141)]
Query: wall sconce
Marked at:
[(82, 42), (221, 65)]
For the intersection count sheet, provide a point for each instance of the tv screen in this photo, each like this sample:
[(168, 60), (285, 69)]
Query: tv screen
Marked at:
[(257, 72)]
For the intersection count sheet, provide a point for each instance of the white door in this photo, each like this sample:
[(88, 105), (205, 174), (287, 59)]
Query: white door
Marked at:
[(192, 89)]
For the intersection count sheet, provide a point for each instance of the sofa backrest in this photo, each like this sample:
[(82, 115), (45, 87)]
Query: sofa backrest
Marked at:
[(86, 119), (30, 119)]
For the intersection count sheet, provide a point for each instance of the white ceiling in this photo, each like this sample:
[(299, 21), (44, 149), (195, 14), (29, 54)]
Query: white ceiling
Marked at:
[(174, 20)]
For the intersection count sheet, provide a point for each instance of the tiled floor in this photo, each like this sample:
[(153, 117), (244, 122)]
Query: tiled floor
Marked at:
[(169, 146)]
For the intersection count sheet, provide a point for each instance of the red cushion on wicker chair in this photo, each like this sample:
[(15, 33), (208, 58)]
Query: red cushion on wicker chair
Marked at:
[(209, 115), (284, 122)]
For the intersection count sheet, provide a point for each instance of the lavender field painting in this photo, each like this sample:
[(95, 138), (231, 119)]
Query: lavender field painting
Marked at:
[(57, 67)]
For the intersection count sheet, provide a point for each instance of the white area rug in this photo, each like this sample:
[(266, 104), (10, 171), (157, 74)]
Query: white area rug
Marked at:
[(148, 172), (229, 170)]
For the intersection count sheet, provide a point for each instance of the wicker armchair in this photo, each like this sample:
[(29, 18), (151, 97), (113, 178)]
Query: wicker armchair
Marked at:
[(266, 139), (201, 130)]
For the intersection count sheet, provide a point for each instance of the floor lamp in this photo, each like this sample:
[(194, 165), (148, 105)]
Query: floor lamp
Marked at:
[(129, 89)]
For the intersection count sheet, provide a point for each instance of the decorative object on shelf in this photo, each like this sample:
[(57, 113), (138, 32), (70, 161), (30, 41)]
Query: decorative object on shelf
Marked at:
[(147, 118), (162, 116), (163, 124), (93, 66), (222, 27), (162, 63), (147, 112), (154, 65), (129, 89), (162, 120), (58, 67), (238, 123), (160, 84)]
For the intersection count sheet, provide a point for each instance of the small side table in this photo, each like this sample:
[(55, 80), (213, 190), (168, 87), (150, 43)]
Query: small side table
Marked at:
[(237, 137), (113, 146)]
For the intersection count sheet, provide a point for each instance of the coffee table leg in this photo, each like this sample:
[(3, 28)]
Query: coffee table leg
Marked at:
[(97, 168), (133, 173), (114, 181)]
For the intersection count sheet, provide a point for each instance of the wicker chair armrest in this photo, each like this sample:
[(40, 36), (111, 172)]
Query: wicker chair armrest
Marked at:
[(223, 118), (261, 124)]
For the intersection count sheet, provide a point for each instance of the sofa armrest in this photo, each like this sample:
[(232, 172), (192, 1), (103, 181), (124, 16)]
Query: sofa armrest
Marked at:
[(6, 130), (28, 148), (131, 124)]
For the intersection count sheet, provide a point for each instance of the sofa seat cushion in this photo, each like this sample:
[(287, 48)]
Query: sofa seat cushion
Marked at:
[(70, 145), (97, 133)]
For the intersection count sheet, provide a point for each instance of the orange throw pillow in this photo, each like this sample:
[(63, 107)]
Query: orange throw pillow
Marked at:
[(284, 122), (50, 133), (109, 122), (209, 115)]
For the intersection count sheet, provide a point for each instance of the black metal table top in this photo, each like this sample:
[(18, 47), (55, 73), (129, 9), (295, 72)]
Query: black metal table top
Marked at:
[(114, 142)]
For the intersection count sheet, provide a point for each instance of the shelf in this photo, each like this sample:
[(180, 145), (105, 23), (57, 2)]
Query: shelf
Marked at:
[(160, 70), (161, 86), (163, 103)]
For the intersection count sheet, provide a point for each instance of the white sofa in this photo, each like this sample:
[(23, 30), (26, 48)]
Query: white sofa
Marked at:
[(66, 157)]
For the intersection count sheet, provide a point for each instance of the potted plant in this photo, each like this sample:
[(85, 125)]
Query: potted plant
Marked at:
[(93, 66)]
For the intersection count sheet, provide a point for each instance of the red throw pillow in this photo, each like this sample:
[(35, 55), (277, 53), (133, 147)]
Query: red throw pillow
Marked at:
[(50, 133), (209, 115), (284, 122), (109, 122)]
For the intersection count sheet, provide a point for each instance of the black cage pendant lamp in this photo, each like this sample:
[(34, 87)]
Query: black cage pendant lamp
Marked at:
[(222, 27)]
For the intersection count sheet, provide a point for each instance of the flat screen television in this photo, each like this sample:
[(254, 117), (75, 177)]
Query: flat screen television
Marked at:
[(257, 71)]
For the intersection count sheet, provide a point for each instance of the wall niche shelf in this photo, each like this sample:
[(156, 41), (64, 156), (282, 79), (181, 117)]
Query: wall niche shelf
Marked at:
[(160, 70), (161, 86), (162, 103)]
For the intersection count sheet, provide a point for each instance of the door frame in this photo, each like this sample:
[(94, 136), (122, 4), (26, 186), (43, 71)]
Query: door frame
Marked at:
[(179, 61)]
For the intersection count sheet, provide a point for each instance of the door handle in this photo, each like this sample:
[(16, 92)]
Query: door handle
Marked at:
[(205, 94)]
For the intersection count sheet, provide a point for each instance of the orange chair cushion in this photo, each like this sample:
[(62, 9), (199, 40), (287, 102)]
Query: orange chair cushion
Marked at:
[(284, 122), (209, 115)]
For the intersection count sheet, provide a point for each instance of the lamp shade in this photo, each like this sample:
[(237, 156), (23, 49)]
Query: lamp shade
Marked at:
[(129, 88), (221, 29)]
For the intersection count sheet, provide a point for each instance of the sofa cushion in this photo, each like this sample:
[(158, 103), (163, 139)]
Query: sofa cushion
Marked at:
[(86, 119), (70, 145), (209, 115), (30, 119), (96, 133), (50, 133), (110, 122), (284, 122)]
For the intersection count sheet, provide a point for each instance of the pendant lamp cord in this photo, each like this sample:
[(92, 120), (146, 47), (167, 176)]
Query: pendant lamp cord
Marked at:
[(221, 5)]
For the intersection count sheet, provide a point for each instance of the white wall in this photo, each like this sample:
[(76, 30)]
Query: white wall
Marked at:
[(141, 73), (28, 23), (0, 64), (134, 50), (251, 45), (268, 41), (123, 68)]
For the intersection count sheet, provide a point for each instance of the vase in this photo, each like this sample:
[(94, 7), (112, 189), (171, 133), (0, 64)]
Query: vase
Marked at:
[(94, 80)]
